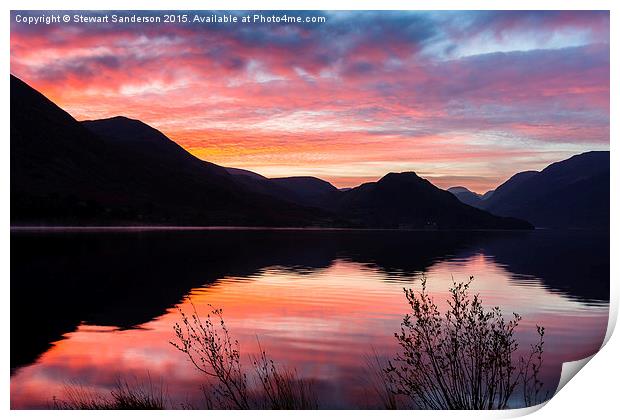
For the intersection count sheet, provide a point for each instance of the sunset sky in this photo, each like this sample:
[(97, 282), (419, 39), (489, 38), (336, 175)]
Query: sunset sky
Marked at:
[(461, 98)]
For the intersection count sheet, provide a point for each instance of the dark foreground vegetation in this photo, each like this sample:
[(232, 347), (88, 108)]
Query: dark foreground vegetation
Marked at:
[(210, 348), (125, 396), (463, 358)]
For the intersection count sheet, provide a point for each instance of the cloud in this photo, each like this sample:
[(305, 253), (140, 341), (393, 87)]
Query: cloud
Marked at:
[(404, 89)]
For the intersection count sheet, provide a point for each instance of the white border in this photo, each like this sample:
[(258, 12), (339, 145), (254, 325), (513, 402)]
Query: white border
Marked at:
[(593, 395), (311, 5)]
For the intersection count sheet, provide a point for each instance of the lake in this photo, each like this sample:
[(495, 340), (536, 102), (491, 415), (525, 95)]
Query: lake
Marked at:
[(88, 308)]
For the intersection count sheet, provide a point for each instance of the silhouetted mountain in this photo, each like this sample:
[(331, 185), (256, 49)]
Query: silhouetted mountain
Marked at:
[(302, 190), (393, 202), (488, 194), (466, 196), (121, 171), (506, 189), (573, 193), (148, 144), (244, 172), (405, 200), (54, 160), (308, 190)]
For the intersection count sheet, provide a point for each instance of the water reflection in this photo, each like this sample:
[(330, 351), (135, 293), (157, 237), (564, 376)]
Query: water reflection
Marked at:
[(319, 301)]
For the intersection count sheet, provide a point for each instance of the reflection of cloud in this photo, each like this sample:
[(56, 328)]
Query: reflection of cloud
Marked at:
[(322, 323), (364, 87)]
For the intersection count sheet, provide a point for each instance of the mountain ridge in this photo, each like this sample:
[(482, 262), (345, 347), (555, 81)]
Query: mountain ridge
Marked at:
[(62, 172), (469, 197), (572, 193), (122, 170), (403, 200)]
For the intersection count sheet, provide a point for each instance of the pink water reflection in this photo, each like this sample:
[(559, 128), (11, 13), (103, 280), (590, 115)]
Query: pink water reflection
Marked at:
[(323, 323)]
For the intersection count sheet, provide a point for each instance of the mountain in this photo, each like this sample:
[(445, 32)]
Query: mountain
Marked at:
[(121, 171), (302, 190), (244, 172), (506, 189), (308, 190), (396, 201), (573, 193), (54, 160), (404, 200), (487, 194), (148, 145), (466, 196)]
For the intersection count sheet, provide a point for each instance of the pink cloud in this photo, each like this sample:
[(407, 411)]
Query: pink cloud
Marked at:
[(334, 99)]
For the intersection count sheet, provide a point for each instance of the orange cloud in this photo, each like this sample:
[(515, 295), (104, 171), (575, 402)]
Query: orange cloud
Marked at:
[(343, 101)]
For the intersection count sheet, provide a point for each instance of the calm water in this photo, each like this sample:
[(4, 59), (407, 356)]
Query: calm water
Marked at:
[(90, 308)]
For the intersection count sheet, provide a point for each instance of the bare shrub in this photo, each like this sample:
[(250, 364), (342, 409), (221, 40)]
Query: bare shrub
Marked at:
[(211, 349), (282, 389), (463, 359)]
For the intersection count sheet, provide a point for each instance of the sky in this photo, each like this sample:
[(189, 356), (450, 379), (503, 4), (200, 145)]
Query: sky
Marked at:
[(460, 97)]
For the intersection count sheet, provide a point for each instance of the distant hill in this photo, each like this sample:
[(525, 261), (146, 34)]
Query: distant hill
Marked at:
[(308, 189), (488, 194), (404, 200), (244, 172), (506, 189), (469, 197), (302, 190), (573, 193), (396, 201)]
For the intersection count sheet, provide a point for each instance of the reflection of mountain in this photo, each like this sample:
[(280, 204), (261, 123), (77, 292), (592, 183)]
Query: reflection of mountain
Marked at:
[(574, 263), (126, 279)]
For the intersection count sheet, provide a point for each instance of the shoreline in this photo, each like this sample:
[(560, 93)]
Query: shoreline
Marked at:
[(155, 228)]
